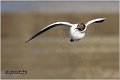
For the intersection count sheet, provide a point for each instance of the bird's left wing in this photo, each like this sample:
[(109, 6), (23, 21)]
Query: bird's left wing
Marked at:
[(49, 27), (98, 20)]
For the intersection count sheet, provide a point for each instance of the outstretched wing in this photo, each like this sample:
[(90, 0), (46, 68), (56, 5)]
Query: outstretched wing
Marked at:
[(49, 27), (98, 20)]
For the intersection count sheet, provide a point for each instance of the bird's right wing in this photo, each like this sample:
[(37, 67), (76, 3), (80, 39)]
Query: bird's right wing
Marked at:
[(49, 27)]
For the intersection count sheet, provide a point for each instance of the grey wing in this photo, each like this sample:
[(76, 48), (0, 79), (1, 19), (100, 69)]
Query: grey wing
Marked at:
[(49, 27)]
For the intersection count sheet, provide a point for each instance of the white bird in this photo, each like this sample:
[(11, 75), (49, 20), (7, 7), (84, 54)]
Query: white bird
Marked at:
[(77, 31)]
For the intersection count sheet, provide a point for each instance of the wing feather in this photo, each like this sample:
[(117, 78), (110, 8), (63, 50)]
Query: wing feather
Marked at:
[(98, 20), (49, 27)]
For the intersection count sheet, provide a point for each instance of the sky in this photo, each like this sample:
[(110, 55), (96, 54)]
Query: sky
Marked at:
[(60, 6)]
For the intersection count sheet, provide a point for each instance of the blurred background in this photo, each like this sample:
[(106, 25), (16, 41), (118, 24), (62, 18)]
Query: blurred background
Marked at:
[(52, 55)]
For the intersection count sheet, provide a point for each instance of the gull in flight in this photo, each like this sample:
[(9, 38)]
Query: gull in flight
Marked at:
[(77, 31)]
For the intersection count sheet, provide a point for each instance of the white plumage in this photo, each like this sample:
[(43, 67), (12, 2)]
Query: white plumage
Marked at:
[(77, 31)]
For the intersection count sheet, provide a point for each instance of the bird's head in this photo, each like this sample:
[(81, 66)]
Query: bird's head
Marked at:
[(81, 26)]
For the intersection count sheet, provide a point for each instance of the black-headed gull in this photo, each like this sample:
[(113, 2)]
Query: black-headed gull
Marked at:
[(77, 31)]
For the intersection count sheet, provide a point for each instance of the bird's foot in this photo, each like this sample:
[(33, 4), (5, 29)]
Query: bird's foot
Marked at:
[(71, 40)]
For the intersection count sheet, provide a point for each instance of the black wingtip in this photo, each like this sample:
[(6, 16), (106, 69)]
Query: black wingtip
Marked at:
[(102, 20), (27, 41)]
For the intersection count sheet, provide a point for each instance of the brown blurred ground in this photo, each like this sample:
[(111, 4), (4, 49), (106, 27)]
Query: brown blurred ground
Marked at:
[(52, 55)]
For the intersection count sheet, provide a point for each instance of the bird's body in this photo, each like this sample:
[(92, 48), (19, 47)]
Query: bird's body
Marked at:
[(77, 31), (75, 34)]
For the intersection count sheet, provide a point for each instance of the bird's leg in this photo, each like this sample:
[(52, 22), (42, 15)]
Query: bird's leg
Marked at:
[(71, 40)]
